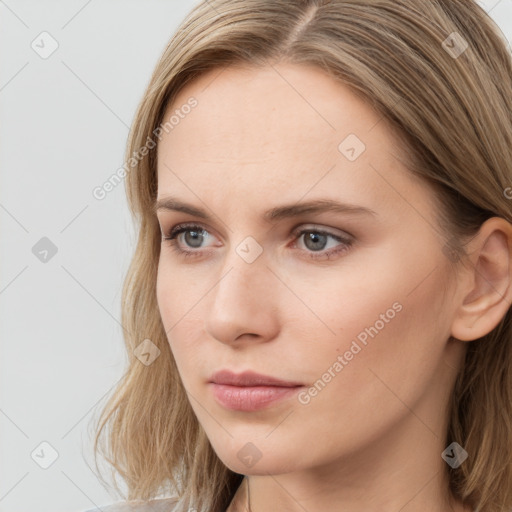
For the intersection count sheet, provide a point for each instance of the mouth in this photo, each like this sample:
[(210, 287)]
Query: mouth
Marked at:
[(250, 391)]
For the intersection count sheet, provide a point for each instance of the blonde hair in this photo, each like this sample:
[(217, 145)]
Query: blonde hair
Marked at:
[(453, 115)]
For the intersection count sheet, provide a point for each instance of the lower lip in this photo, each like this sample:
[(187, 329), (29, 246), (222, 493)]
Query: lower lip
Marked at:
[(250, 398)]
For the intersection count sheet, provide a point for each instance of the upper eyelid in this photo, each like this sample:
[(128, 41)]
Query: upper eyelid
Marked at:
[(296, 231)]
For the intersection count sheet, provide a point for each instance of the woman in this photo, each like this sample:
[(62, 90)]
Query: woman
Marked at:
[(318, 306)]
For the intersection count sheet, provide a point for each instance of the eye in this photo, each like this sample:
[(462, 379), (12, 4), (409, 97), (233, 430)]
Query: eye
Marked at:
[(196, 236), (315, 241)]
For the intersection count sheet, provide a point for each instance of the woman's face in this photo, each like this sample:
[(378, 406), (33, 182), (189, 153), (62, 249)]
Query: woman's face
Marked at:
[(353, 302)]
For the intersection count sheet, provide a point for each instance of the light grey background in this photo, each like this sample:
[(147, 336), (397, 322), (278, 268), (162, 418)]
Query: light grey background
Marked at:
[(65, 120)]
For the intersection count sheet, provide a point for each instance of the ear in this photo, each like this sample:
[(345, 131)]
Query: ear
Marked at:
[(487, 283)]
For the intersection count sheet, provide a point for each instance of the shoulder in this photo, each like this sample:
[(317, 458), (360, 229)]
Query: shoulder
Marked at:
[(163, 505)]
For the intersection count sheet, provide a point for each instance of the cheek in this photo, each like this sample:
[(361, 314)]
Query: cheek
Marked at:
[(170, 307), (391, 347), (385, 324), (179, 307), (174, 291)]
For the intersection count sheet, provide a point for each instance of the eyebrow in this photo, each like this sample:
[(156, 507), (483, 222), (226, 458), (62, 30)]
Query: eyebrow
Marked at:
[(274, 214)]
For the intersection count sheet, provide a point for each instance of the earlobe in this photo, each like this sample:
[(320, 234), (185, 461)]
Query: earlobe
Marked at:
[(488, 281)]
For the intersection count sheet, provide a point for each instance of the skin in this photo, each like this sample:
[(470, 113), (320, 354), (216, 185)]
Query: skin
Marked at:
[(372, 438)]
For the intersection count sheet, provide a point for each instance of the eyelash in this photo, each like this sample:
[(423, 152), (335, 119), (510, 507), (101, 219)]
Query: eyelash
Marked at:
[(181, 228)]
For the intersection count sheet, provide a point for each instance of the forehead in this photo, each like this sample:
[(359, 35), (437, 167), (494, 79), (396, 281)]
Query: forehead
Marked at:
[(278, 131), (272, 105)]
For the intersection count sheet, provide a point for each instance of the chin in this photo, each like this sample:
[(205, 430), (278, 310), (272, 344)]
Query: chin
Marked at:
[(265, 465)]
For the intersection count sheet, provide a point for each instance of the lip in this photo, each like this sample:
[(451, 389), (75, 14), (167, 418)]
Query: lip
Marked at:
[(249, 391), (250, 398), (249, 378)]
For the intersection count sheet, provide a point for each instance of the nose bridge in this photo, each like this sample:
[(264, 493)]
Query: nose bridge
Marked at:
[(240, 301), (245, 273)]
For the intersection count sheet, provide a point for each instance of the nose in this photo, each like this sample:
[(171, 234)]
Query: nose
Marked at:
[(242, 304)]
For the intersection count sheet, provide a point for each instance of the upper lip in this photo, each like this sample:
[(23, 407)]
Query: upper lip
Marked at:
[(249, 378)]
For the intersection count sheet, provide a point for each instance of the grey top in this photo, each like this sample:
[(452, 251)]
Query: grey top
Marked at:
[(239, 503), (163, 505)]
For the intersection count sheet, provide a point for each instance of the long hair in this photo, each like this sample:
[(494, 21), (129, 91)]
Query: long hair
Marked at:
[(440, 73)]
